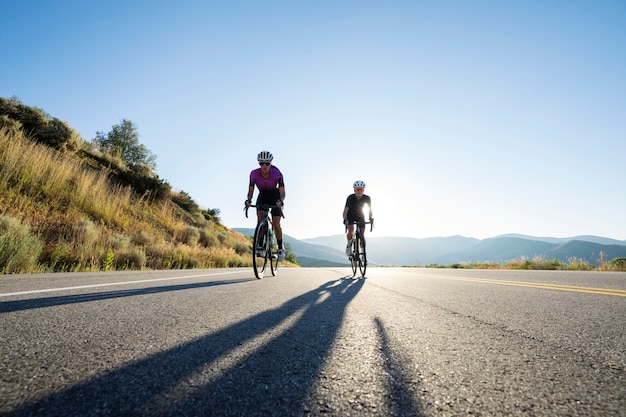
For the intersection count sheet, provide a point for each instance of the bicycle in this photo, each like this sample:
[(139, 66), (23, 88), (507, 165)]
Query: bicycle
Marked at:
[(358, 255), (263, 251)]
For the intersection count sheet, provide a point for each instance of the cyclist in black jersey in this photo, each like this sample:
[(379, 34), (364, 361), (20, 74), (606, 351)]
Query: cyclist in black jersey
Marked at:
[(354, 211)]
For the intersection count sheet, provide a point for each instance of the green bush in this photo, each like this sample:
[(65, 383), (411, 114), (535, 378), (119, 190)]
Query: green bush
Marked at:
[(178, 259), (618, 264), (146, 182), (19, 250), (190, 236), (58, 257), (208, 238), (38, 125), (242, 249), (184, 201), (12, 126)]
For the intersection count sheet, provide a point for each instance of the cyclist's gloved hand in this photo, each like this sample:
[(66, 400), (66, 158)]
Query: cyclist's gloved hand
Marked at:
[(345, 222), (247, 203), (279, 203)]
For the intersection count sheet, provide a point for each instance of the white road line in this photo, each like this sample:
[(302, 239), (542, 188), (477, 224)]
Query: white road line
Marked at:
[(9, 294)]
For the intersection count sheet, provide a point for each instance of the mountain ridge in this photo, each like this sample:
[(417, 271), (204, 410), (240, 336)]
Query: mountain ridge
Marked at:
[(456, 249)]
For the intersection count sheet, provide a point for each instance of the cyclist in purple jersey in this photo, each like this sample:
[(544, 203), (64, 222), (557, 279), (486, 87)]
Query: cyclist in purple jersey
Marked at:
[(269, 180), (354, 212)]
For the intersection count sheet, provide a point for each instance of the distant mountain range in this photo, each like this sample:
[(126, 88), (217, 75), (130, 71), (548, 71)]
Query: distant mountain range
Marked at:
[(406, 251)]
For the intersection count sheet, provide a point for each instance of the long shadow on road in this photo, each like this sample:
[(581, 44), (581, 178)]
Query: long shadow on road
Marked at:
[(21, 305), (273, 379)]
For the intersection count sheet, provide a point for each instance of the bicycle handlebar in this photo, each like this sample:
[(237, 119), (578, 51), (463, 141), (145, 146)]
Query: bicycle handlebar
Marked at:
[(265, 207), (371, 223)]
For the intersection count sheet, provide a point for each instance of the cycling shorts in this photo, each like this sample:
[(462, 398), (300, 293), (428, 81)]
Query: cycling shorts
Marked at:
[(270, 197)]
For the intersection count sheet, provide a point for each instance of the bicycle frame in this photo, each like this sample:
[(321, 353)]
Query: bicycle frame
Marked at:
[(263, 243)]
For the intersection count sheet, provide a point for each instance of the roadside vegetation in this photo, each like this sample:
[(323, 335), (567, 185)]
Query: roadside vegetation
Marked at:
[(71, 205), (538, 263)]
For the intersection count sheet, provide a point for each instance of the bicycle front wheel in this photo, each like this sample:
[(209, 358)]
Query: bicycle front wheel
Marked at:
[(260, 251), (363, 262), (354, 259), (273, 257)]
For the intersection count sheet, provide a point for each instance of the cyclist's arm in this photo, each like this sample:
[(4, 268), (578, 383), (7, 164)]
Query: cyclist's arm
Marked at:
[(281, 190), (345, 215), (250, 192)]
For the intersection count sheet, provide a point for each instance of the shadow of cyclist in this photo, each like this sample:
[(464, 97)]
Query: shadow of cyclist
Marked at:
[(274, 379)]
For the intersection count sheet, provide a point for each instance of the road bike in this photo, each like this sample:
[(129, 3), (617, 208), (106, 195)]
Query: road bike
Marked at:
[(358, 254), (264, 246)]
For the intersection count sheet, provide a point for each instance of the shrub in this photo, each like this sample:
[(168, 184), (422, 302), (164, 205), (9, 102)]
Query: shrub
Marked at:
[(58, 257), (242, 249), (134, 258), (578, 264), (184, 201), (179, 259), (39, 125), (119, 241), (85, 233), (212, 215), (12, 126), (190, 236), (618, 264), (208, 238), (19, 250), (144, 238)]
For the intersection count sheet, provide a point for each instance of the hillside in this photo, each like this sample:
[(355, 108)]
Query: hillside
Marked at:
[(71, 208)]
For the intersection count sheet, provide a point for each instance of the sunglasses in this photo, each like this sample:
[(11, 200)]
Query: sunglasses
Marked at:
[(359, 189), (265, 163)]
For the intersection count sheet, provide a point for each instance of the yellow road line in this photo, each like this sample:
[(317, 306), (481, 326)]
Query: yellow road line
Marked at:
[(558, 287)]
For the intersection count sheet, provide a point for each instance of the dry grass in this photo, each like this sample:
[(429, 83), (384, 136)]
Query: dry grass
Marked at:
[(85, 221), (538, 263)]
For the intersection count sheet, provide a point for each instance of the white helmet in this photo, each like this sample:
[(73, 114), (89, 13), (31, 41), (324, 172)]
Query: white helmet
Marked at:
[(358, 184), (265, 156)]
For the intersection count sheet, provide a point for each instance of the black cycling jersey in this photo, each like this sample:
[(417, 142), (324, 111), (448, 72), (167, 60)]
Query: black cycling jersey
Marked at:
[(355, 207)]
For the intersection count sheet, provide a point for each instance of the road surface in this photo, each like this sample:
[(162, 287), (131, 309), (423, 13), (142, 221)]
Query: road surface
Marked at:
[(314, 342)]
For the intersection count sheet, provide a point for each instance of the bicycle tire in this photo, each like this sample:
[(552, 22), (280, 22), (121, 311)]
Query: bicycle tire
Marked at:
[(259, 263), (354, 259), (363, 261), (273, 256)]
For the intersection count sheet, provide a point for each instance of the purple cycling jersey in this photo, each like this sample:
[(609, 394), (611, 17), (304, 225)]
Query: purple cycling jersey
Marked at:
[(273, 181)]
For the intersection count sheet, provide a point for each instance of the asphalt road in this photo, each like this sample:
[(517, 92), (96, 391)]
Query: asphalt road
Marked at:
[(314, 342)]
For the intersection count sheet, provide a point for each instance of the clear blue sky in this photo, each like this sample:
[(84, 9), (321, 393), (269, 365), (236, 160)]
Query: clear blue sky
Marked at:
[(473, 118)]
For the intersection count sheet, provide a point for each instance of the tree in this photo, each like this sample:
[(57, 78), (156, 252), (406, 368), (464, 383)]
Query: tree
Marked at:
[(123, 141)]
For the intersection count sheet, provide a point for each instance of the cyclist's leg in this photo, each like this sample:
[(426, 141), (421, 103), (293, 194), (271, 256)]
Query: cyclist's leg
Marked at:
[(260, 216), (362, 229), (349, 238), (350, 234), (278, 230)]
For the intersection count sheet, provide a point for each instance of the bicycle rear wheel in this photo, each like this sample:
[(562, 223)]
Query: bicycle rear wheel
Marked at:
[(260, 251)]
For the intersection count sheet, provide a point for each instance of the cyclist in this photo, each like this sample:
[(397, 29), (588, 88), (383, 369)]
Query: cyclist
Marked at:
[(269, 181), (354, 211)]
